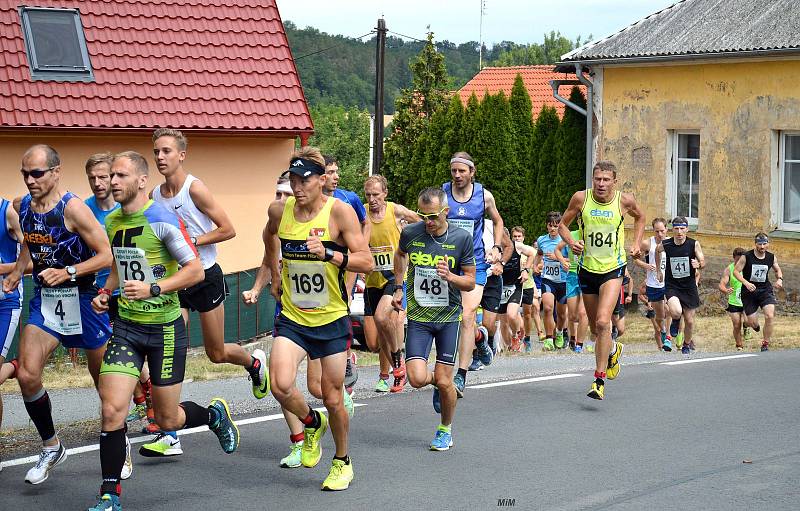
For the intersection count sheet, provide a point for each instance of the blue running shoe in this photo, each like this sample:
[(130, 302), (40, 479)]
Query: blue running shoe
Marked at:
[(485, 354), (437, 400), (685, 349), (442, 441), (666, 345), (107, 502), (226, 430), (578, 348), (476, 365), (459, 382)]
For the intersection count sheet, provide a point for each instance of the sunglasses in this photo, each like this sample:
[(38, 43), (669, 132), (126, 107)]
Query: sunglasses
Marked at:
[(431, 216), (35, 173)]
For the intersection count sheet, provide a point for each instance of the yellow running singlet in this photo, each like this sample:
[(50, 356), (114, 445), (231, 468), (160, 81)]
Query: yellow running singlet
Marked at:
[(602, 230), (383, 241)]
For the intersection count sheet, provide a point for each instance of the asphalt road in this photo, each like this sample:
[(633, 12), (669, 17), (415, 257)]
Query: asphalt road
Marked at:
[(666, 437)]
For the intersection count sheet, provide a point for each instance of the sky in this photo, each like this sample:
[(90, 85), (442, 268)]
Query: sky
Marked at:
[(521, 21)]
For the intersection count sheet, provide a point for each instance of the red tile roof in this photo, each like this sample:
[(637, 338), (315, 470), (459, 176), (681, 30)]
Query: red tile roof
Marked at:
[(536, 79), (190, 64)]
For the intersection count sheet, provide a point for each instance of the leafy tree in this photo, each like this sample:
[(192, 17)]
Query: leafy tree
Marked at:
[(548, 52), (570, 151)]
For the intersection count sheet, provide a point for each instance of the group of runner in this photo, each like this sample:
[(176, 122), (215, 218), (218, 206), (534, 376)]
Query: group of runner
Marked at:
[(431, 268)]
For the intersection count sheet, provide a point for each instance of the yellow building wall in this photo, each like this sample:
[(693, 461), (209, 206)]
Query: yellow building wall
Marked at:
[(736, 107), (241, 172)]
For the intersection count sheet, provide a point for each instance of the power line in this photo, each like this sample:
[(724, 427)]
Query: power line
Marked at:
[(333, 46), (408, 36)]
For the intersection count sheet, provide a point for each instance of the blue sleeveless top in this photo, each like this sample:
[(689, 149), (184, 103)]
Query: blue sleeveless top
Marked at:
[(51, 244), (9, 250), (464, 214)]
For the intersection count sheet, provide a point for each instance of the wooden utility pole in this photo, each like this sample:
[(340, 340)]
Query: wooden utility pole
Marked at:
[(377, 155)]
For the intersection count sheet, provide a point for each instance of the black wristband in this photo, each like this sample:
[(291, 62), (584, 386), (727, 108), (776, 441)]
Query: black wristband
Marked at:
[(500, 247), (345, 259), (328, 254)]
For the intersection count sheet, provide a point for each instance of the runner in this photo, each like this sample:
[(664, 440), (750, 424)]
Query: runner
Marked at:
[(489, 306), (149, 244), (331, 188), (625, 297), (383, 325), (530, 295), (191, 200), (11, 303), (732, 288), (653, 287), (469, 203), (439, 258), (600, 212), (577, 321), (554, 283), (753, 272), (514, 275), (683, 258), (67, 246), (315, 233)]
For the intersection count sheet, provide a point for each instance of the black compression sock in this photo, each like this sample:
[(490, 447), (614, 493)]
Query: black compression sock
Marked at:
[(197, 415), (491, 341), (346, 459), (112, 458), (40, 412), (312, 420)]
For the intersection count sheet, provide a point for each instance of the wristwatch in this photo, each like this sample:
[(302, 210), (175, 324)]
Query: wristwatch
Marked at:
[(193, 239), (72, 272), (328, 254), (155, 289)]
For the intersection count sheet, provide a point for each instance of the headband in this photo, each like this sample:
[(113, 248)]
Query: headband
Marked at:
[(679, 224), (762, 239), (304, 168), (465, 161)]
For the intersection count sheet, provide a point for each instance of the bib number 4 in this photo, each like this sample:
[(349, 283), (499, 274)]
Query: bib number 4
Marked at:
[(61, 310)]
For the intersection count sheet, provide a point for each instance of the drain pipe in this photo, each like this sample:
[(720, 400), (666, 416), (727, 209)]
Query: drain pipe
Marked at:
[(588, 112)]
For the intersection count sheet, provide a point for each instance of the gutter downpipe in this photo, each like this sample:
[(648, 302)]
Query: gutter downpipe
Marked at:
[(589, 121)]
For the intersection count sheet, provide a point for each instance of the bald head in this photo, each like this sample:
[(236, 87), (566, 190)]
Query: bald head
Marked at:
[(41, 155)]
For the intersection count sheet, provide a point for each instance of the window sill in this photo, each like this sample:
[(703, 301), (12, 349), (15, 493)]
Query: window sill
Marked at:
[(785, 234)]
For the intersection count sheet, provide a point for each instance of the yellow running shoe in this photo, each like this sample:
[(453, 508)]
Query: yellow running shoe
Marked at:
[(613, 362), (312, 450), (597, 391), (340, 476)]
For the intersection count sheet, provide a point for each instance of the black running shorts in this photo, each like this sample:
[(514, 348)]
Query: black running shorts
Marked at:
[(758, 299), (492, 291), (207, 295), (319, 341)]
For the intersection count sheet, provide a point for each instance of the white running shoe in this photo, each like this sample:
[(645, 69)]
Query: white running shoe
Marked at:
[(127, 468), (162, 445), (48, 459)]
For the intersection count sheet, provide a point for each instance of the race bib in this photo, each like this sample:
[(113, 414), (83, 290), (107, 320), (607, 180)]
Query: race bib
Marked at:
[(680, 267), (461, 223), (430, 290), (759, 273), (507, 292), (552, 271), (663, 262), (308, 288), (61, 309), (384, 258)]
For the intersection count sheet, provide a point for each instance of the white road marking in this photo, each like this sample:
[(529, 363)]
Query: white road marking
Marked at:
[(525, 380), (146, 438), (709, 359)]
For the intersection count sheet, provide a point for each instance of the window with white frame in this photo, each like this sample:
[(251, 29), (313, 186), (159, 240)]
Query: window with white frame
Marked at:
[(686, 175), (789, 167)]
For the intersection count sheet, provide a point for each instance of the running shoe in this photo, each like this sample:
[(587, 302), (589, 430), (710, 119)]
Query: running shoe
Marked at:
[(748, 334), (137, 412), (340, 476), (476, 365), (350, 374), (400, 378), (664, 337), (679, 341), (691, 346), (460, 383), (107, 502), (589, 347), (382, 385), (666, 345), (613, 361), (515, 344), (259, 374), (163, 445), (127, 467), (226, 430), (348, 403), (685, 349), (559, 342), (485, 354), (578, 348), (292, 460), (312, 450), (437, 400), (526, 341), (442, 440), (597, 391), (764, 346), (739, 348), (548, 344), (48, 459)]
